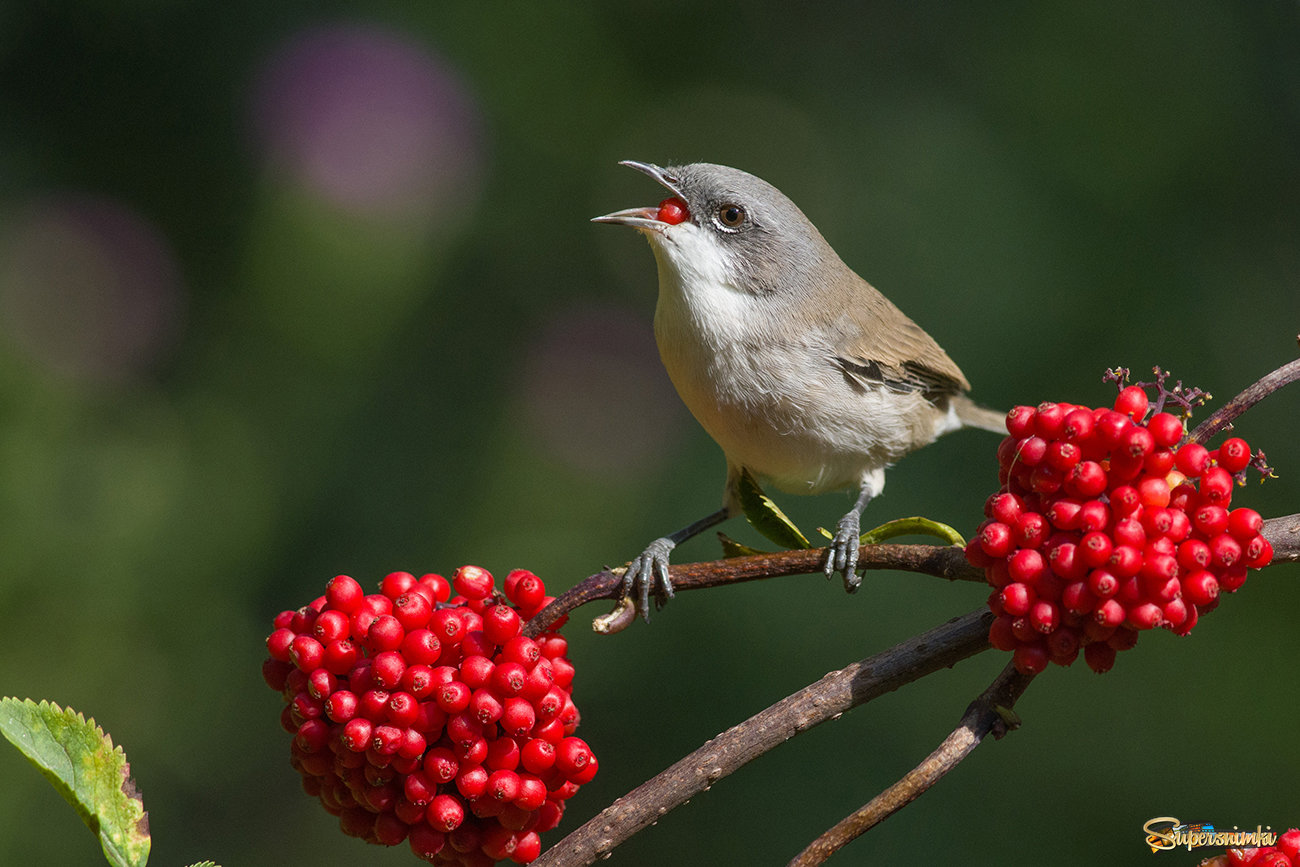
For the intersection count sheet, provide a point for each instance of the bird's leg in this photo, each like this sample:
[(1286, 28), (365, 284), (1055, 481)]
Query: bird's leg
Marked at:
[(843, 554), (650, 567)]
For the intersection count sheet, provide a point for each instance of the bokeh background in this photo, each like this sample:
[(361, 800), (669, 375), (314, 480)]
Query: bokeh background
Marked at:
[(291, 290)]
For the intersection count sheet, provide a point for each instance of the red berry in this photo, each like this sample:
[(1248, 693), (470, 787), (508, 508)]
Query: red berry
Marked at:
[(425, 842), (412, 610), (472, 780), (485, 706), (1102, 583), (1124, 501), (1166, 428), (1016, 599), (1109, 428), (1200, 587), (1095, 549), (1086, 480), (1234, 455), (278, 643), (344, 594), (1216, 486), (1257, 553), (448, 626), (1192, 459), (1210, 520), (1132, 401), (1031, 451), (1078, 599), (1289, 844), (995, 539), (1225, 551), (1049, 420), (1020, 421), (445, 813), (396, 584), (1145, 615), (1030, 658), (453, 697), (672, 211), (1193, 554), (473, 582), (528, 846), (1031, 530), (1044, 616), (1026, 566), (1100, 656), (306, 653), (1153, 493), (572, 755), (385, 633), (1063, 455), (500, 624), (1109, 613), (1244, 524), (1078, 424)]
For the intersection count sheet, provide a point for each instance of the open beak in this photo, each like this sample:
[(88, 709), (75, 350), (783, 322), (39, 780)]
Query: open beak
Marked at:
[(643, 218)]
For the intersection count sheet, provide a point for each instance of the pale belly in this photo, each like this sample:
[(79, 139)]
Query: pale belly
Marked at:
[(793, 419)]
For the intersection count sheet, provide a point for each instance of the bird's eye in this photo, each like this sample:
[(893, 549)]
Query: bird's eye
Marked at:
[(731, 216)]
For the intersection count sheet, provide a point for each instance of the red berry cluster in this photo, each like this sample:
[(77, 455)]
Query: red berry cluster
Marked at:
[(1285, 854), (1107, 525), (425, 717)]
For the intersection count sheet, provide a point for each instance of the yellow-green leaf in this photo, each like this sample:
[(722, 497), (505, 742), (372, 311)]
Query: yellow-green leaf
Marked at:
[(764, 516), (732, 548), (91, 774), (912, 527)]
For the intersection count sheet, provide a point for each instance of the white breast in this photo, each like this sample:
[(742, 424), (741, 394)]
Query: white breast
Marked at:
[(776, 405)]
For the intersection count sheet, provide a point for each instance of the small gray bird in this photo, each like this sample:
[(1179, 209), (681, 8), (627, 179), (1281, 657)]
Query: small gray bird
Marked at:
[(805, 375)]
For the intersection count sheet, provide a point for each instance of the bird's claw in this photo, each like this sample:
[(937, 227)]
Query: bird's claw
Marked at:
[(842, 556), (649, 570)]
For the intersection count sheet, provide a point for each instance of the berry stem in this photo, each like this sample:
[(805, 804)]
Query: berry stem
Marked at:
[(1222, 419), (826, 699), (988, 714)]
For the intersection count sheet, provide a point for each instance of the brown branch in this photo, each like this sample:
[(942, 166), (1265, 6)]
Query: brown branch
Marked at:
[(943, 561), (1221, 420), (829, 697), (1284, 535), (987, 714)]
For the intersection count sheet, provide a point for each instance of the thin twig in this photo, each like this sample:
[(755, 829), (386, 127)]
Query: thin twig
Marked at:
[(829, 697), (1222, 418), (987, 714), (942, 561)]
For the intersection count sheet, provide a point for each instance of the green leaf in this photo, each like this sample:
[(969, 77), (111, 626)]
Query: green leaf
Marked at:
[(732, 548), (87, 770), (764, 516), (205, 864), (912, 527)]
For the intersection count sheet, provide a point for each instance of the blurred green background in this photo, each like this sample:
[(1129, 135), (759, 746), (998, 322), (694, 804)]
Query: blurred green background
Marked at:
[(294, 290)]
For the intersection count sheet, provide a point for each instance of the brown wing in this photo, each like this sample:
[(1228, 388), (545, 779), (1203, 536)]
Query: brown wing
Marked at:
[(881, 347)]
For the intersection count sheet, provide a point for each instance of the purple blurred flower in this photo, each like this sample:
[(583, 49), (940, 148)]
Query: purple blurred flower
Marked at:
[(369, 119), (88, 287)]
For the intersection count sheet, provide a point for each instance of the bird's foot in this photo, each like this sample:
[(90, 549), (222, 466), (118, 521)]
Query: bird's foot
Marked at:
[(647, 571), (843, 554)]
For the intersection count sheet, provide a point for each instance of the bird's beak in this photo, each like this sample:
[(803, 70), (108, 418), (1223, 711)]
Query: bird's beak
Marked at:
[(643, 218)]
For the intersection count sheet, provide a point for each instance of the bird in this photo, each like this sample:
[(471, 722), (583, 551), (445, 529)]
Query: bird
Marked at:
[(804, 374)]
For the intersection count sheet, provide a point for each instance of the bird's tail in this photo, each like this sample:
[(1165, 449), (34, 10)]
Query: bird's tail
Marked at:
[(973, 415)]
